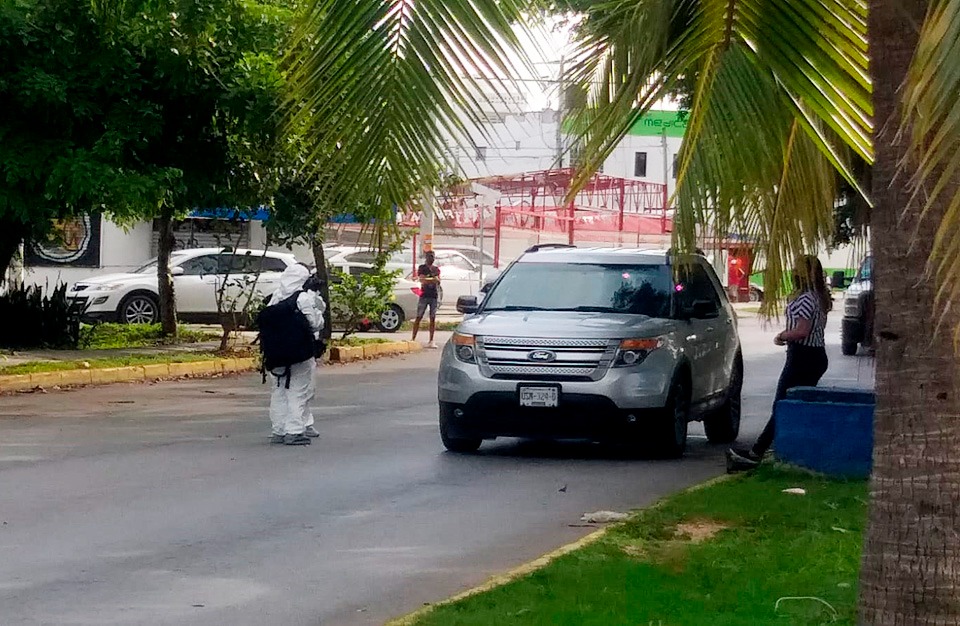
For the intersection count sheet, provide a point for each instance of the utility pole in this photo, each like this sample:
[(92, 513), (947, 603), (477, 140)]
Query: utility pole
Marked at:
[(561, 94), (666, 180), (427, 219)]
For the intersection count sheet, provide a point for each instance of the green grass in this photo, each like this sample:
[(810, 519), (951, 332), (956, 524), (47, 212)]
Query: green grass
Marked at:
[(35, 367), (354, 341), (774, 546), (118, 336), (424, 325)]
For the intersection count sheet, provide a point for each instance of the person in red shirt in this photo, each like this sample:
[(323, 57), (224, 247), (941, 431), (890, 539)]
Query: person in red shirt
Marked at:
[(429, 277)]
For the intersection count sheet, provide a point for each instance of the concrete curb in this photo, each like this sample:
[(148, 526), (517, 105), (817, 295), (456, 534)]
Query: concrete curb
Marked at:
[(194, 369), (499, 580), (539, 563), (347, 354)]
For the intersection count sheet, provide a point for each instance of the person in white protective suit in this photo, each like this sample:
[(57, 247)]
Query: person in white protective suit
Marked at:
[(290, 414)]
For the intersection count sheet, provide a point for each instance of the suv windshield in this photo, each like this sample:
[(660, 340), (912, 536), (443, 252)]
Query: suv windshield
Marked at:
[(150, 267), (631, 289)]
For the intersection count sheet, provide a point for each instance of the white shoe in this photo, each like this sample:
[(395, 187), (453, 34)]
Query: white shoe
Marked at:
[(431, 346)]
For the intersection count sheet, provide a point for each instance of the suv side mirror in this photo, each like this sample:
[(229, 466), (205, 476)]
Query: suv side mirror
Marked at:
[(467, 304), (176, 271)]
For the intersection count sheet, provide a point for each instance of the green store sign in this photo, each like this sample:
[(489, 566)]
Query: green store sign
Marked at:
[(654, 123), (651, 124)]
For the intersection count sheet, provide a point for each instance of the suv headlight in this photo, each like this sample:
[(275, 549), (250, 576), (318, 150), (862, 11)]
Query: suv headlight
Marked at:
[(635, 351), (465, 347), (851, 306), (107, 287)]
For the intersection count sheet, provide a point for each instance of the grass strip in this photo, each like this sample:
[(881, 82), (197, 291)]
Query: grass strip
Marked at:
[(736, 552), (36, 367)]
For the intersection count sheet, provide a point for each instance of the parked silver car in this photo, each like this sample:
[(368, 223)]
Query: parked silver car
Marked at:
[(599, 344)]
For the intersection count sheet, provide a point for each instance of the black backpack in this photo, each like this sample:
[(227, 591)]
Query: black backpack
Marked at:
[(285, 337)]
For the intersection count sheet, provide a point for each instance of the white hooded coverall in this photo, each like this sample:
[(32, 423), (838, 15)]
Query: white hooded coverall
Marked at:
[(290, 408)]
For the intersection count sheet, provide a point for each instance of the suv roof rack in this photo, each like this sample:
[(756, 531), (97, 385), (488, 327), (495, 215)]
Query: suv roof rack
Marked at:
[(697, 251), (548, 246)]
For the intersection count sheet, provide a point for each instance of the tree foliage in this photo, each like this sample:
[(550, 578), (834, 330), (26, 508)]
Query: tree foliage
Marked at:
[(139, 109)]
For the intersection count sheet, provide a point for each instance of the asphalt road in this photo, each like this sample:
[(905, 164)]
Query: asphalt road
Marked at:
[(164, 504)]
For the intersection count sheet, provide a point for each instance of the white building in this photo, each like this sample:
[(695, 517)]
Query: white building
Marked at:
[(649, 150), (510, 143)]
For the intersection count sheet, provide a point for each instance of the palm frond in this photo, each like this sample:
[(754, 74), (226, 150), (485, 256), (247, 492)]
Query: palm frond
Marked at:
[(932, 114), (781, 101), (380, 85), (766, 180)]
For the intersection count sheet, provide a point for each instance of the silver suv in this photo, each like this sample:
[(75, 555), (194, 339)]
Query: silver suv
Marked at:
[(598, 344)]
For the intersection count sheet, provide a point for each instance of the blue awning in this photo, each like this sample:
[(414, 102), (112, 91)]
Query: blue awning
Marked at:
[(262, 214)]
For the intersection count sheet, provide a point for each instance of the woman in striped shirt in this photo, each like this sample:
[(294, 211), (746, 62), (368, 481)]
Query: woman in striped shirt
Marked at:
[(804, 338)]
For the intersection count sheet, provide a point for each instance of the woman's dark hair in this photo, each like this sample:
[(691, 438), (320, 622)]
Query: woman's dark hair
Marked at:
[(808, 275)]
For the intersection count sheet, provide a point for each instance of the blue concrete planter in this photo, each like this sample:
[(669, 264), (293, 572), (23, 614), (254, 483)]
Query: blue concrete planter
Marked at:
[(826, 429)]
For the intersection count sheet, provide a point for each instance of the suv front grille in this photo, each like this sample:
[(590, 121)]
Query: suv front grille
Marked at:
[(512, 358)]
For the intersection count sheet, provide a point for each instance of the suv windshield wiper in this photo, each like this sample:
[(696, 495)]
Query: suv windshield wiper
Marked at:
[(517, 307), (591, 309)]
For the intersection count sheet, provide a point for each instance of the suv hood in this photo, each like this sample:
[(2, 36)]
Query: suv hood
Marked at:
[(108, 279), (562, 324)]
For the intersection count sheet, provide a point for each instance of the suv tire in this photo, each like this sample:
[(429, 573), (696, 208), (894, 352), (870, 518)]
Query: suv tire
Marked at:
[(723, 424), (139, 308), (455, 444), (670, 430), (391, 319)]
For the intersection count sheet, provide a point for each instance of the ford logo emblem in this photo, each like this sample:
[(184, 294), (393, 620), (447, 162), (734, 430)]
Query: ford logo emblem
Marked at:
[(542, 356)]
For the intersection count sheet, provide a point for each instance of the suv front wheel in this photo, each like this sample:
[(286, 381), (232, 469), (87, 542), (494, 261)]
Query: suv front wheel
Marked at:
[(723, 424), (139, 308), (455, 444), (670, 430)]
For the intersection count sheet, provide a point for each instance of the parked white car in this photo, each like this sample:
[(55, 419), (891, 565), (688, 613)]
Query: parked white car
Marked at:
[(459, 276), (403, 300), (133, 298), (342, 256)]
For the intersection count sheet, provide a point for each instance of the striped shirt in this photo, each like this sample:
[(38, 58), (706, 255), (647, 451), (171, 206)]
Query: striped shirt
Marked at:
[(807, 306)]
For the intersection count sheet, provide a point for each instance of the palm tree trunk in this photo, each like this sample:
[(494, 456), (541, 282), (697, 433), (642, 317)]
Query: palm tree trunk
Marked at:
[(168, 300), (911, 561)]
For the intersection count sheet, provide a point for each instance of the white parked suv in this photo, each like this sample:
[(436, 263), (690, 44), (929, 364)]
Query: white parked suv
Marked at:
[(599, 344), (132, 298)]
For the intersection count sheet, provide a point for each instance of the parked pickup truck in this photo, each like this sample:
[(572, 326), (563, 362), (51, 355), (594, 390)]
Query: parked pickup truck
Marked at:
[(858, 303)]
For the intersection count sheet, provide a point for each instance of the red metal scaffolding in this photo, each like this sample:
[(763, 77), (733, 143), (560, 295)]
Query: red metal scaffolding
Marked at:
[(538, 201)]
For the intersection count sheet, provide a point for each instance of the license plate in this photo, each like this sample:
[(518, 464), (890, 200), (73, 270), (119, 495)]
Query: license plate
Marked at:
[(543, 397)]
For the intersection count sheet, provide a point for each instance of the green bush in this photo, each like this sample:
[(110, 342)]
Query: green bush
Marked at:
[(34, 319), (357, 299)]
